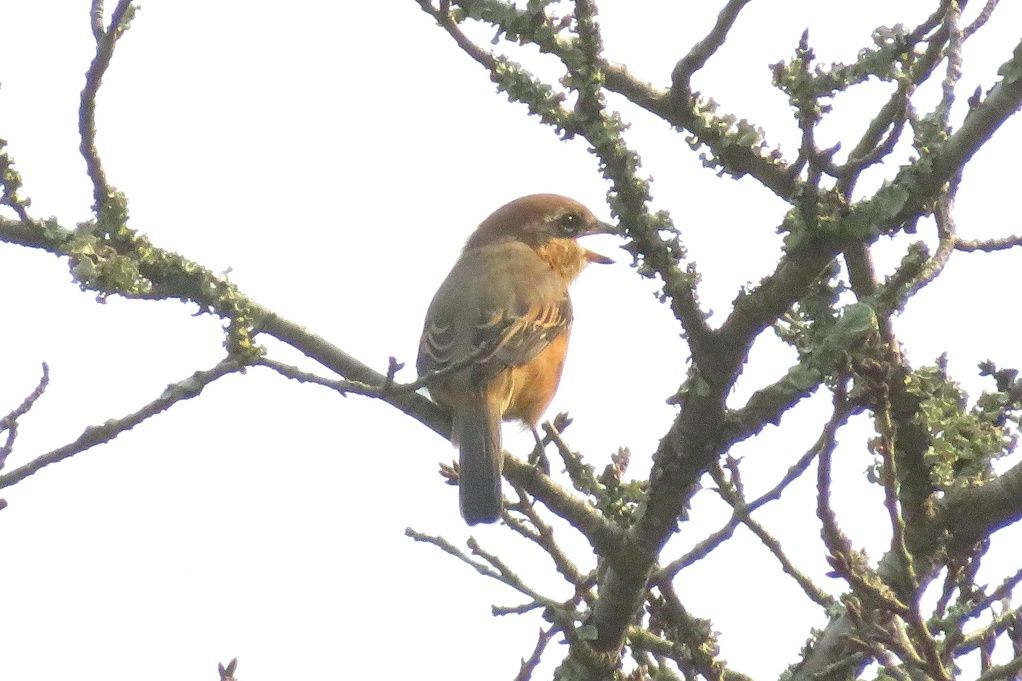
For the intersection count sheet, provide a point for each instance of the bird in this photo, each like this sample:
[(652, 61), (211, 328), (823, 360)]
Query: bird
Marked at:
[(495, 335)]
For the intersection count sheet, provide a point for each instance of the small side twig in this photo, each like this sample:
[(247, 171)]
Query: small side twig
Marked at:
[(342, 386), (1002, 671), (704, 49), (731, 493), (953, 54), (846, 562), (577, 471), (542, 534), (980, 20), (529, 665), (1003, 590), (97, 435), (10, 422), (387, 387), (988, 245), (704, 547), (227, 673), (106, 40), (490, 566)]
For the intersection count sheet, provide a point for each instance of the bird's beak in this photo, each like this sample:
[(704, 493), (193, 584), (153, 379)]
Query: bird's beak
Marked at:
[(599, 228)]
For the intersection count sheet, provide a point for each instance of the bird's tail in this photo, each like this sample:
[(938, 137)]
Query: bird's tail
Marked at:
[(477, 433)]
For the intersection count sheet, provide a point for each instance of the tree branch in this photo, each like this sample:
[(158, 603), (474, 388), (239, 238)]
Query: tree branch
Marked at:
[(10, 422), (106, 40), (97, 435), (703, 50), (963, 518)]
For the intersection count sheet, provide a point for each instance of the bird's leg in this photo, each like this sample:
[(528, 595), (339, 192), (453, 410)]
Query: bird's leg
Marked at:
[(538, 456)]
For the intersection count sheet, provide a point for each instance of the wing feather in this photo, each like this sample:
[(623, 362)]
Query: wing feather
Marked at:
[(501, 306)]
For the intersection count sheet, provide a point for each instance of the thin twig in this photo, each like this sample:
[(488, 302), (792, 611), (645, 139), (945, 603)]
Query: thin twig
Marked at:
[(96, 20), (731, 493), (842, 558), (1002, 671), (107, 431), (529, 665), (696, 636), (342, 386), (998, 626), (490, 566), (444, 18), (938, 261), (889, 480), (386, 388), (10, 422), (704, 547), (227, 672), (543, 537), (988, 245), (980, 20), (697, 57), (953, 53), (1002, 591), (106, 40), (578, 473), (874, 146), (452, 550), (606, 538)]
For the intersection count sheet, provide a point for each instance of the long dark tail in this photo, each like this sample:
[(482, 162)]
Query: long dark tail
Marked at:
[(477, 430)]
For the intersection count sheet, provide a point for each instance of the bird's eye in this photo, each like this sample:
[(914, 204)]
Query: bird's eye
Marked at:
[(570, 223)]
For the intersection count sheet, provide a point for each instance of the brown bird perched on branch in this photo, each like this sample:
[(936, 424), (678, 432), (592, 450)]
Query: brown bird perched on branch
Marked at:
[(497, 331)]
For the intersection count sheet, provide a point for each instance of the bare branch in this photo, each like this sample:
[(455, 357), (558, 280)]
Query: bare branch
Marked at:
[(1003, 590), (1002, 671), (330, 356), (696, 636), (734, 497), (703, 50), (106, 40), (543, 537), (529, 665), (294, 373), (767, 405), (846, 562), (386, 388), (443, 17), (10, 422), (981, 20), (97, 435), (227, 673), (953, 54), (605, 538), (961, 519), (490, 566), (96, 20), (988, 245), (794, 471), (874, 145)]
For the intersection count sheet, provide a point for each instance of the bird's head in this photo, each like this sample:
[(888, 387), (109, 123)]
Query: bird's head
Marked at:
[(548, 223)]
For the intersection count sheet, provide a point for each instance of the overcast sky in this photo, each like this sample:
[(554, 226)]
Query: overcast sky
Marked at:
[(333, 157)]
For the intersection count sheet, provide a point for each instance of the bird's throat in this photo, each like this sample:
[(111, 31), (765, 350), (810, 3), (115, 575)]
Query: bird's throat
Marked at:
[(564, 256)]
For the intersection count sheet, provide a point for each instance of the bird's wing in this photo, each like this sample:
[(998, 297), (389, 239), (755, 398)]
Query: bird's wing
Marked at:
[(512, 338), (497, 315), (499, 337)]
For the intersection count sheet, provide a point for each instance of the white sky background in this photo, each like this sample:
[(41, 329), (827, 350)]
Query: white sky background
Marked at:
[(334, 156)]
